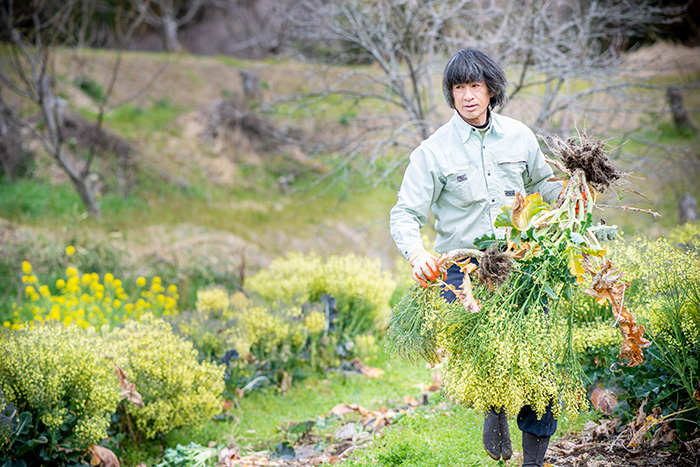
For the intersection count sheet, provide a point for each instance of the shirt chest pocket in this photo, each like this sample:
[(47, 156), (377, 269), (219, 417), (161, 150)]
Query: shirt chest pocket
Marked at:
[(464, 184), (511, 173)]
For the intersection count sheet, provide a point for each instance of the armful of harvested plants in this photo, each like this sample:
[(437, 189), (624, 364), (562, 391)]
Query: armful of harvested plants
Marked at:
[(506, 342)]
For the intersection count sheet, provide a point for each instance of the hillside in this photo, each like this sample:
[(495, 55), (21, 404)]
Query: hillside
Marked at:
[(197, 193)]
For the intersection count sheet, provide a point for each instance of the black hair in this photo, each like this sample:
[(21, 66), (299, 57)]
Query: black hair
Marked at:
[(472, 66)]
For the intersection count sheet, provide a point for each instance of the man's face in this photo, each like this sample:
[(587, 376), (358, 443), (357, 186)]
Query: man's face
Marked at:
[(471, 101)]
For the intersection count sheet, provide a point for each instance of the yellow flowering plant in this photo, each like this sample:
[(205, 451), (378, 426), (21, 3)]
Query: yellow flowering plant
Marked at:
[(177, 389), (86, 299), (665, 293), (359, 285), (64, 389)]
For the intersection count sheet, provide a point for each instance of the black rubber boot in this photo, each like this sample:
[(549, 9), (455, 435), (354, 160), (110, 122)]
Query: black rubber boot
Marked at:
[(506, 447), (534, 449), (491, 436)]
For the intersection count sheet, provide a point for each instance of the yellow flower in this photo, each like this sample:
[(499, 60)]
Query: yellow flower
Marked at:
[(141, 281), (71, 271), (26, 267), (44, 290), (109, 277), (60, 283), (70, 250)]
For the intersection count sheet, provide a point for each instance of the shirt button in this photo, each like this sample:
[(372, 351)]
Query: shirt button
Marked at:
[(493, 200)]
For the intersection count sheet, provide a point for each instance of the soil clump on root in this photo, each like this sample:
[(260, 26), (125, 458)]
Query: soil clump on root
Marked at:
[(494, 268), (588, 156)]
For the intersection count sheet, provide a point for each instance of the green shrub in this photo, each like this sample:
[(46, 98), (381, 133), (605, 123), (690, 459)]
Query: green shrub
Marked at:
[(212, 328), (64, 389), (255, 339), (6, 415), (177, 390), (359, 285)]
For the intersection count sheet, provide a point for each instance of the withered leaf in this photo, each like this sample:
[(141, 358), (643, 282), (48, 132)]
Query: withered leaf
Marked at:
[(607, 286), (366, 370), (604, 400), (128, 389), (103, 457)]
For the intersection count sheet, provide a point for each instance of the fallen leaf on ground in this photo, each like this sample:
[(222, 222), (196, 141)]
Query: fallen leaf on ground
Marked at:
[(103, 457), (604, 400), (410, 401), (366, 370)]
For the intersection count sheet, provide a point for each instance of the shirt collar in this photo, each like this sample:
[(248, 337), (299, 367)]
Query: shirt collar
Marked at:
[(466, 130)]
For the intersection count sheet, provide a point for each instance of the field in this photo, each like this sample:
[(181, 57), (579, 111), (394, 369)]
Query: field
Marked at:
[(219, 212)]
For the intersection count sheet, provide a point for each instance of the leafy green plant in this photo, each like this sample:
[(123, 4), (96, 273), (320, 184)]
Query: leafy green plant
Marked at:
[(7, 414), (191, 455), (64, 390), (177, 389), (91, 87)]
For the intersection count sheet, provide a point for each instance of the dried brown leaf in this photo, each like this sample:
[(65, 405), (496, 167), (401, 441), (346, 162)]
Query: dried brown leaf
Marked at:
[(367, 370), (604, 400), (606, 429), (128, 389), (103, 457), (344, 409), (410, 401), (607, 286)]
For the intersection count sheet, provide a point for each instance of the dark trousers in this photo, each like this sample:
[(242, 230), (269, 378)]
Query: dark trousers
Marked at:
[(527, 418)]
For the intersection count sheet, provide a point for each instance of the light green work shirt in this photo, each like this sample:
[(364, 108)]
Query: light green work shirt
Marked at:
[(465, 179)]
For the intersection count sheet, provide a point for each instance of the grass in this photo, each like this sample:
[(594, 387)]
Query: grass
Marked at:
[(430, 436)]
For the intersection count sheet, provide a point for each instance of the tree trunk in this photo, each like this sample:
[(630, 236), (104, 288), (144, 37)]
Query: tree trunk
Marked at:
[(170, 34), (688, 209), (51, 111), (680, 116)]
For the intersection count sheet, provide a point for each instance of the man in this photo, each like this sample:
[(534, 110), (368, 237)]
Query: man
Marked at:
[(465, 172)]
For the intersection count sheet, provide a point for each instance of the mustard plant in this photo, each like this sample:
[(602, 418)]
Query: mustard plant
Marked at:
[(88, 299), (63, 386), (177, 389), (359, 285)]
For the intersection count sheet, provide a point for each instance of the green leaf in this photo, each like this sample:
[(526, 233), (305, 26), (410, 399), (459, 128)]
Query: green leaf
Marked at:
[(24, 422), (503, 219), (577, 238), (486, 241), (549, 291)]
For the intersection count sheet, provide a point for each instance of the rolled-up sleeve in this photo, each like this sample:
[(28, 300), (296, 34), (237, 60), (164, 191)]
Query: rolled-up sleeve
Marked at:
[(420, 187)]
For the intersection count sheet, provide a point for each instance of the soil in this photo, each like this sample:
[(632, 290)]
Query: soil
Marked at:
[(584, 450)]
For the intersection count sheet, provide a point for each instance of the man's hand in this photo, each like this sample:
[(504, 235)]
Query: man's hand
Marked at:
[(425, 267)]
